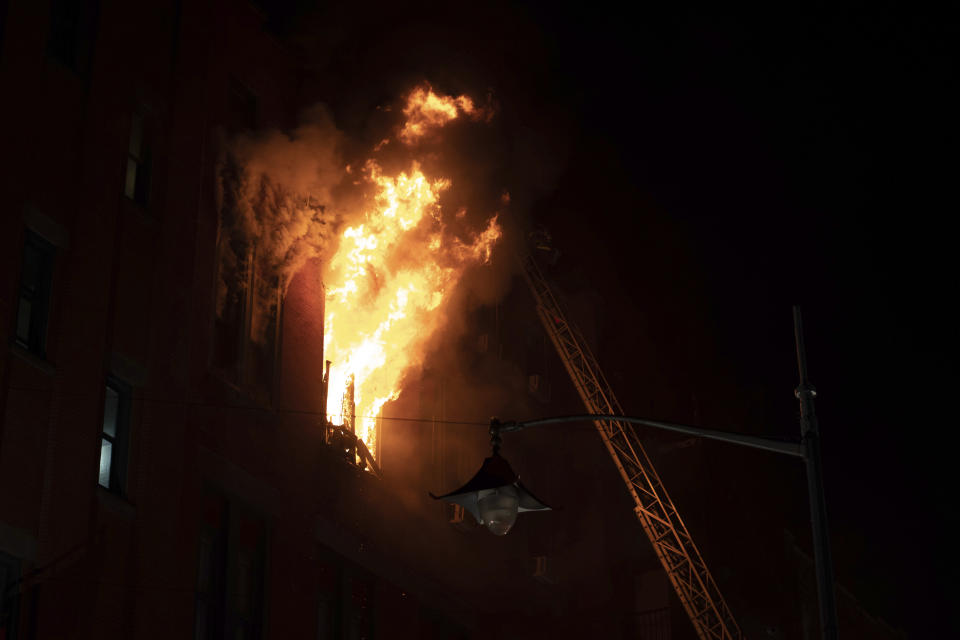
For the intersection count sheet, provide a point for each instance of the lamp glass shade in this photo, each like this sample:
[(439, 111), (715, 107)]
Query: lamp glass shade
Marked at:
[(498, 509), (494, 496)]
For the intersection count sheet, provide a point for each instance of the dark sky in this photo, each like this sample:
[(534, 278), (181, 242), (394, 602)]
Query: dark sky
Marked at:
[(704, 169)]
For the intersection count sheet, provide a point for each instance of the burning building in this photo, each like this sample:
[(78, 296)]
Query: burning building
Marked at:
[(173, 445), (184, 250)]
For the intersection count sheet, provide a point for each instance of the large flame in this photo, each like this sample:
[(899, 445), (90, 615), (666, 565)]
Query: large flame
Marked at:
[(391, 275)]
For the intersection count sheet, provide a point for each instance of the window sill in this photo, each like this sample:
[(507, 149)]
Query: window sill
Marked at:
[(118, 505), (33, 359)]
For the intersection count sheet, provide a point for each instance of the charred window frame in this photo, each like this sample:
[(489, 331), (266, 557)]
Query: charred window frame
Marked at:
[(36, 284), (115, 436), (9, 595), (247, 321), (248, 303), (263, 335), (234, 253), (73, 30), (136, 185)]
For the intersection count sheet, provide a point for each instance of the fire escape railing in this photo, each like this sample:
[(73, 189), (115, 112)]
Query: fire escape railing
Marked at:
[(685, 567)]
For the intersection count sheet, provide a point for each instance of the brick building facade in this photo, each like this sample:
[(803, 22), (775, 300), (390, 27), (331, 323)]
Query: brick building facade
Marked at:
[(164, 475), (161, 475)]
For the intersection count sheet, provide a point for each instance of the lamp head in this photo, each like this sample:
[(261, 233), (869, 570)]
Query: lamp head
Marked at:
[(494, 496)]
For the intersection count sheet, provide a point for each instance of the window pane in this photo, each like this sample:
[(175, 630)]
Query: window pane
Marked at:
[(30, 274), (111, 407), (206, 563), (200, 626), (325, 629), (243, 582), (106, 451), (130, 188), (64, 31), (141, 188), (136, 135), (36, 273), (23, 321)]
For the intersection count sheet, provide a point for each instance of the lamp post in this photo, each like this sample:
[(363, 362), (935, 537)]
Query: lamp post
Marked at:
[(495, 496)]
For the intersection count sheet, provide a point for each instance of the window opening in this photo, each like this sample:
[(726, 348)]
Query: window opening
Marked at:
[(33, 307), (137, 183), (72, 32), (114, 436), (9, 595)]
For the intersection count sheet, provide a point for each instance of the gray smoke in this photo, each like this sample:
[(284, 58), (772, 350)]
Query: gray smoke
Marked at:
[(276, 205)]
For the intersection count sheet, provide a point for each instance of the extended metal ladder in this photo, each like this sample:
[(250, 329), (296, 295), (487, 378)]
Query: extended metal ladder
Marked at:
[(679, 555)]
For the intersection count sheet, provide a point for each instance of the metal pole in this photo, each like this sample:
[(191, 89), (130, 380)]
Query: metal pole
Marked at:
[(810, 433), (767, 444)]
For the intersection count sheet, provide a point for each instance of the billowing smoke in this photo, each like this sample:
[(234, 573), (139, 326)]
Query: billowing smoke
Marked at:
[(276, 204), (405, 230)]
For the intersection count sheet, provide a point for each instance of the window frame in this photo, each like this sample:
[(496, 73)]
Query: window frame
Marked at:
[(231, 581), (250, 367), (140, 159), (39, 299), (71, 37), (9, 598), (120, 441)]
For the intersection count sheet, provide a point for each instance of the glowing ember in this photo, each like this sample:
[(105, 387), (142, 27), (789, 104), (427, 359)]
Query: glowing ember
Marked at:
[(391, 274)]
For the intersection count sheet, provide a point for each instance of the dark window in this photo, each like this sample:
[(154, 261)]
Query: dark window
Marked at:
[(233, 275), (175, 31), (211, 570), (9, 596), (327, 618), (229, 322), (3, 19), (230, 573), (245, 579), (73, 26), (347, 599), (262, 339), (248, 300), (33, 308), (137, 183), (360, 608), (114, 436)]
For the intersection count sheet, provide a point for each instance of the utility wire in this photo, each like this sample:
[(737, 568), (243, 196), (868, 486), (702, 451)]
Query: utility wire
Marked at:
[(584, 419), (243, 407)]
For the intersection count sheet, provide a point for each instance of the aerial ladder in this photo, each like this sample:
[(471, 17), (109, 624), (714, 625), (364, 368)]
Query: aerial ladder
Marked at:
[(685, 568)]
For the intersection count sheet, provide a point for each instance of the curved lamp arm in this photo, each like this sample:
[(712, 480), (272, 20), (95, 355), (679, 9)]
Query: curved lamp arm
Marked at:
[(767, 444)]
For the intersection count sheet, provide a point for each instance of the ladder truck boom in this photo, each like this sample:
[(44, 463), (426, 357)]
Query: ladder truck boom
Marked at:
[(685, 568)]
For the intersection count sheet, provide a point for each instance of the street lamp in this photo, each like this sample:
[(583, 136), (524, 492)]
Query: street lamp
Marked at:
[(494, 495)]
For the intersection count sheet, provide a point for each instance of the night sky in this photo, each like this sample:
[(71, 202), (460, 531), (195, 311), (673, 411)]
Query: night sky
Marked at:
[(702, 170)]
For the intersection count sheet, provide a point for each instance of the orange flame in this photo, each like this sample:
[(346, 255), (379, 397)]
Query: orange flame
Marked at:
[(391, 275), (425, 110)]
